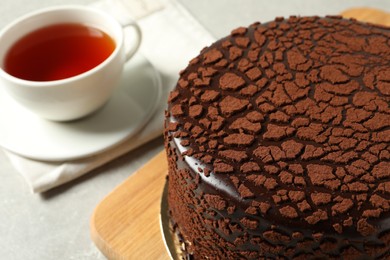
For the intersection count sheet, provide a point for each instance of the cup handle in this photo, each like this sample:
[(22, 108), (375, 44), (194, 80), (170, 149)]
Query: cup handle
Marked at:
[(131, 51)]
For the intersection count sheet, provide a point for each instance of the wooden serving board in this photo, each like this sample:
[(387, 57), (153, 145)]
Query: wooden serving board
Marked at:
[(368, 15), (126, 224)]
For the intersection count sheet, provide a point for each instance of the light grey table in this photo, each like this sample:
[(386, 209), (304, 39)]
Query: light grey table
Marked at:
[(55, 225)]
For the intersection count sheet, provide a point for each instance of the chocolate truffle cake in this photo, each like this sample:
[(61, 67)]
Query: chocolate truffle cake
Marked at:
[(278, 142)]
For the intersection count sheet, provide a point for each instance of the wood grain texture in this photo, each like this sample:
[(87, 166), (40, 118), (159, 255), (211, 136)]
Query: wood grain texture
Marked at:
[(126, 224)]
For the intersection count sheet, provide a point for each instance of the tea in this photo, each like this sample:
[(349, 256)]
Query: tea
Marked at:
[(57, 52)]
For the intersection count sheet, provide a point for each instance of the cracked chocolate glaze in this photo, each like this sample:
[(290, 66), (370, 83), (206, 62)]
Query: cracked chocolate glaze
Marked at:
[(278, 142)]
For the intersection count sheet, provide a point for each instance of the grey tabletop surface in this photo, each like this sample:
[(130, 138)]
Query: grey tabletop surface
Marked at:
[(55, 225)]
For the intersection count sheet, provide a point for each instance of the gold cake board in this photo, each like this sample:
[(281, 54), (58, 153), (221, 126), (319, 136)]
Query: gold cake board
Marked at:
[(126, 224)]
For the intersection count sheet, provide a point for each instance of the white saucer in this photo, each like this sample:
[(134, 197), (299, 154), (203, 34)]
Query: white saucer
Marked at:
[(128, 110)]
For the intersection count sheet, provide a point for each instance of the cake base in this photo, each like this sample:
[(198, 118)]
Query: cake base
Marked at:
[(171, 239)]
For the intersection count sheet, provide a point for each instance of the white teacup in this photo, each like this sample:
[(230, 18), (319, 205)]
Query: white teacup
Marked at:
[(76, 96)]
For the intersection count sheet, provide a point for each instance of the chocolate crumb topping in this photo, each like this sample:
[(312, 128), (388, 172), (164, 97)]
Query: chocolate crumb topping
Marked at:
[(278, 142)]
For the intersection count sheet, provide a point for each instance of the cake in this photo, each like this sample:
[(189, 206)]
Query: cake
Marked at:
[(278, 143)]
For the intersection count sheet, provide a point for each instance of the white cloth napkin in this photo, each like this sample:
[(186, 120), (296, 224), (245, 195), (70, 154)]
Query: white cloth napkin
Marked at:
[(171, 37)]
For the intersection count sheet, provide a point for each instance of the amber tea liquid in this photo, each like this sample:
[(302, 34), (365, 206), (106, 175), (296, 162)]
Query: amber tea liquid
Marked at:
[(57, 52)]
